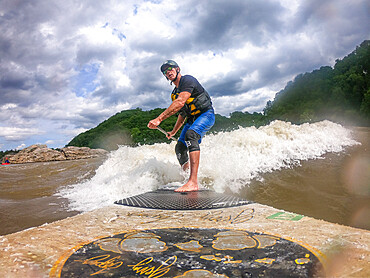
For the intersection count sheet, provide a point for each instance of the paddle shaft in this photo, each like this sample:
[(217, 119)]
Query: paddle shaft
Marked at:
[(165, 133)]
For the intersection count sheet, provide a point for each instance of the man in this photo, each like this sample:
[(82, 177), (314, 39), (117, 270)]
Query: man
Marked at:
[(194, 105)]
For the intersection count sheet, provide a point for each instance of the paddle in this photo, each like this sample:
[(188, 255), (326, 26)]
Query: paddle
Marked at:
[(165, 133)]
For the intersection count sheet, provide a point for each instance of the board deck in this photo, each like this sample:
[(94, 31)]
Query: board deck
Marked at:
[(245, 239), (168, 199)]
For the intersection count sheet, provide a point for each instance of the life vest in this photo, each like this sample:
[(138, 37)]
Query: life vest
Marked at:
[(194, 106), (192, 109), (199, 101)]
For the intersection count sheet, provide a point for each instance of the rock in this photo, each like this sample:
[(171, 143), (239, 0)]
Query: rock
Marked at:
[(37, 153), (82, 152), (41, 153)]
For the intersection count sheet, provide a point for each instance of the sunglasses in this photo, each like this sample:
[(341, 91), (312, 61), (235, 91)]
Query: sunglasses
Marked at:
[(168, 69)]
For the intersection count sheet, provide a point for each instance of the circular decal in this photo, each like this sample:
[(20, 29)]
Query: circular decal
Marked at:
[(189, 252)]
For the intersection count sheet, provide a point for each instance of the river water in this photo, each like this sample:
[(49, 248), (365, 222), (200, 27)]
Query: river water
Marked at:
[(320, 170)]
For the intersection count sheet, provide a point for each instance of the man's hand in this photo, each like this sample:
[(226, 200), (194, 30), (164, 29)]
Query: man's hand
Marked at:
[(154, 123), (175, 106), (170, 134)]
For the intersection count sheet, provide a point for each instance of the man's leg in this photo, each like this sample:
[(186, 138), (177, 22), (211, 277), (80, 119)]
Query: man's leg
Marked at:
[(192, 138), (182, 150), (192, 141), (192, 184), (182, 154)]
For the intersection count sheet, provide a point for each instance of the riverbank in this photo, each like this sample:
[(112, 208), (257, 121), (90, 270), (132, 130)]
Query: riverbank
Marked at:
[(41, 153)]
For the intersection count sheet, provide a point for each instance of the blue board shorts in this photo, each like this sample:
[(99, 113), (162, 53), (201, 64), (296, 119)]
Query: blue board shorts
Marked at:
[(201, 125)]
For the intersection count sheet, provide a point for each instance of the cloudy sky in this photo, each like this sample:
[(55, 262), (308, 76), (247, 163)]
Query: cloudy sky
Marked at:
[(65, 66)]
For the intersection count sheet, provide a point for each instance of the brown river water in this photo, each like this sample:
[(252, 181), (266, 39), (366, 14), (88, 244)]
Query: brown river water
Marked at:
[(335, 187)]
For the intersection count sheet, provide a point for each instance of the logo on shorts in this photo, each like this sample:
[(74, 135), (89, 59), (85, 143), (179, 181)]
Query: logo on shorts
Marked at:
[(188, 143)]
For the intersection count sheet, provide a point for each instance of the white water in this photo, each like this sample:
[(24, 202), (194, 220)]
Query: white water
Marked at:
[(228, 159)]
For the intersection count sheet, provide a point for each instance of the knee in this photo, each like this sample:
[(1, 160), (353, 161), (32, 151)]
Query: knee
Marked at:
[(192, 140), (181, 153)]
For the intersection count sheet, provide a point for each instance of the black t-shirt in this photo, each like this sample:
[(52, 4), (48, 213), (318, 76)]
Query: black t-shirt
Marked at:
[(201, 97), (190, 84)]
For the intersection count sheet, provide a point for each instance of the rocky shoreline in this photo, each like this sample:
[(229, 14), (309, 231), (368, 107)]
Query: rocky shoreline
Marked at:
[(41, 153)]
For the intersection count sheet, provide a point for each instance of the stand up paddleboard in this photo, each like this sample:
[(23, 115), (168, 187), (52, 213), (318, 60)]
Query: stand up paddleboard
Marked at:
[(197, 234), (193, 234), (168, 199)]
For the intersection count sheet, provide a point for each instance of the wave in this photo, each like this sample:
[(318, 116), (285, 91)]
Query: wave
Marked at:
[(229, 160)]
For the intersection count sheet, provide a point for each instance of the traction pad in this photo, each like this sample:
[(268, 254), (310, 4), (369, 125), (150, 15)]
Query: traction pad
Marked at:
[(169, 200)]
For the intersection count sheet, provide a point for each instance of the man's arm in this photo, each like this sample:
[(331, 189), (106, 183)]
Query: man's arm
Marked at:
[(180, 121), (175, 106)]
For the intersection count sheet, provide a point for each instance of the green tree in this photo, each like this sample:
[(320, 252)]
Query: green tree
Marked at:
[(338, 93)]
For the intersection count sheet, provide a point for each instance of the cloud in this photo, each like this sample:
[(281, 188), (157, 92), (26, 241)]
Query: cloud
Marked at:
[(21, 146), (67, 66), (18, 134)]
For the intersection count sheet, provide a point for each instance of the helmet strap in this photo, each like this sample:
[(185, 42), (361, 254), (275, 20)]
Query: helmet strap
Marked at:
[(177, 74)]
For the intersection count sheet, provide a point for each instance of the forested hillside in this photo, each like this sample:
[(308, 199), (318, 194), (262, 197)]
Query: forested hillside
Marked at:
[(129, 127), (340, 94)]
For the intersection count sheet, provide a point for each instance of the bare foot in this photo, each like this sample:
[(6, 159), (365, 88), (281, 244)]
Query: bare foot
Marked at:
[(189, 186)]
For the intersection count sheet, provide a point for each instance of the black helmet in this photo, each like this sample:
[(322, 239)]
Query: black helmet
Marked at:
[(167, 64)]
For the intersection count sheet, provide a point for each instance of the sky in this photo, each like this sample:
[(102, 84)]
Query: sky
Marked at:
[(66, 66)]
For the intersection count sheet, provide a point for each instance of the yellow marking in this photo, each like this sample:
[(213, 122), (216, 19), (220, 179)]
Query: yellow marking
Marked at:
[(142, 267), (226, 259), (233, 240), (303, 260), (211, 258), (190, 246), (229, 261), (190, 99), (109, 244), (141, 235), (103, 263), (265, 240), (58, 265), (143, 245), (233, 262), (56, 270), (265, 261), (319, 255), (200, 273)]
